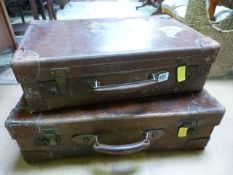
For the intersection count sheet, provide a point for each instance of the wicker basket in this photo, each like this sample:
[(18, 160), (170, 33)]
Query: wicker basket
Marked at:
[(197, 17)]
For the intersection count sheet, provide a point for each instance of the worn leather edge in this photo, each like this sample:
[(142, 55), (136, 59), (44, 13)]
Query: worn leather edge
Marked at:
[(12, 123), (26, 66), (210, 49), (196, 143), (218, 110)]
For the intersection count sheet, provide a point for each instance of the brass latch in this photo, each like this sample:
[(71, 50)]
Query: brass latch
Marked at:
[(60, 75), (50, 138)]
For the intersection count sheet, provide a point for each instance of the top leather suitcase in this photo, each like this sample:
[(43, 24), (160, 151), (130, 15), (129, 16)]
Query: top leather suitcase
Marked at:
[(76, 62)]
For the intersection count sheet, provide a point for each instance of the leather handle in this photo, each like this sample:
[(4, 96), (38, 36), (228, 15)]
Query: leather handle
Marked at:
[(122, 149), (125, 86)]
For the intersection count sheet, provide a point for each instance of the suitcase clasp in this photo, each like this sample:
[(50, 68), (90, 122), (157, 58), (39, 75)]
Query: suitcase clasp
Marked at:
[(60, 75), (50, 138)]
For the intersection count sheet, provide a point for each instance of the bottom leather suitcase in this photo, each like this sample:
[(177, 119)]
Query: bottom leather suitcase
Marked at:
[(167, 123)]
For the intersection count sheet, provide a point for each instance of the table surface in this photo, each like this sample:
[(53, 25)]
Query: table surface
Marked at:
[(215, 159)]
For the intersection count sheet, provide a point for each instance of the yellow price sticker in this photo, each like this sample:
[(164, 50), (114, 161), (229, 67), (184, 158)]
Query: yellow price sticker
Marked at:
[(181, 73), (183, 132)]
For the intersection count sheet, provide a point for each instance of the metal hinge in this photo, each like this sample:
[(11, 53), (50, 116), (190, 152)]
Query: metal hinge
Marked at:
[(60, 75)]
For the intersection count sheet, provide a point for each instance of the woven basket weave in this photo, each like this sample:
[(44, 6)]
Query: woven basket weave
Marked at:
[(197, 17)]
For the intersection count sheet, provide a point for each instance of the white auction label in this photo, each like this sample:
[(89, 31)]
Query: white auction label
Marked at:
[(163, 76)]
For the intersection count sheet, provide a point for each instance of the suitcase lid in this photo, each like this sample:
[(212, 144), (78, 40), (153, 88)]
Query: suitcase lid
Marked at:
[(105, 41), (164, 111)]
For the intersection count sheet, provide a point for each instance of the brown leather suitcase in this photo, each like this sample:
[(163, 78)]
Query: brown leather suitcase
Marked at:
[(76, 62), (174, 122)]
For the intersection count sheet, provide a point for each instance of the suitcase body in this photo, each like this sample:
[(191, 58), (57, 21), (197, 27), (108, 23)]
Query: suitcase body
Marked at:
[(77, 62), (171, 123)]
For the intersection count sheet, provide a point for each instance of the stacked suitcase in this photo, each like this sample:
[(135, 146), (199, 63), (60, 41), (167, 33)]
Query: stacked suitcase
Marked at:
[(113, 86)]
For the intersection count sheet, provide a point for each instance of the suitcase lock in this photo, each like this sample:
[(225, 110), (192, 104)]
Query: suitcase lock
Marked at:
[(60, 76), (186, 128), (50, 138)]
